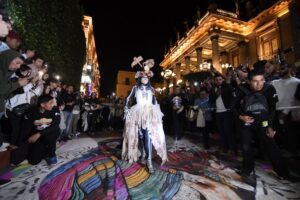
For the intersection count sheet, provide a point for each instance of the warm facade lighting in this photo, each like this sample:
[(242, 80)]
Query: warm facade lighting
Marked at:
[(223, 22)]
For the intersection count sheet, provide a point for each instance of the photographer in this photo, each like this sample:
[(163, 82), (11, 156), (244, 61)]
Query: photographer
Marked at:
[(20, 102), (9, 63), (37, 65)]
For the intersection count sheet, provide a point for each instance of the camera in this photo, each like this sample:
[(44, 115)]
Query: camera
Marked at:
[(24, 71)]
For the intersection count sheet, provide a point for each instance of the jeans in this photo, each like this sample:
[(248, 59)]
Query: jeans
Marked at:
[(68, 117), (74, 123)]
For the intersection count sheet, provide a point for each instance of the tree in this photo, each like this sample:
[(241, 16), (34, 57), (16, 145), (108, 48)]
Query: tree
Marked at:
[(53, 28)]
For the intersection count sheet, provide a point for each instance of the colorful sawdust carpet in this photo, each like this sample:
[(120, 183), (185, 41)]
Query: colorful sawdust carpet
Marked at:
[(91, 170), (98, 175)]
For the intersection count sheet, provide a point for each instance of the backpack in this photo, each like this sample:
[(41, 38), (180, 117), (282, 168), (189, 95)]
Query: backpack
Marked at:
[(254, 103)]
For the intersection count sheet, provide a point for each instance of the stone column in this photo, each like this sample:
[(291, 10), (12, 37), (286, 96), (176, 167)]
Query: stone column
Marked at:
[(178, 72), (243, 52), (199, 56), (187, 60), (295, 24), (224, 57), (215, 52)]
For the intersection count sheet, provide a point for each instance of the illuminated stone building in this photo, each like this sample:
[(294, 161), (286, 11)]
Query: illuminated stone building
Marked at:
[(90, 80), (125, 82), (222, 39)]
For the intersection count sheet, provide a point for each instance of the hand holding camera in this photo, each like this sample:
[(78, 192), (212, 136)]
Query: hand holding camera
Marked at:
[(34, 79), (23, 81)]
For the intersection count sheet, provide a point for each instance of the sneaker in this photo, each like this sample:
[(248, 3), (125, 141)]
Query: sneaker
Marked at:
[(76, 134), (51, 161), (4, 147), (249, 178)]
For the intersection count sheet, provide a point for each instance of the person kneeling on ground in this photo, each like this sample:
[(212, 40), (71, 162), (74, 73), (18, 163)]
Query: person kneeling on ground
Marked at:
[(40, 130)]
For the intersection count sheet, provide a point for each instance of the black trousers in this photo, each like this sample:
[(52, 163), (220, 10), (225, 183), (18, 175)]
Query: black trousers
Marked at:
[(206, 131), (248, 133), (292, 134), (92, 120), (225, 126), (15, 122), (44, 147), (287, 133), (178, 124)]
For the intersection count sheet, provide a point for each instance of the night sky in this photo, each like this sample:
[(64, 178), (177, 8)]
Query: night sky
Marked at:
[(125, 29)]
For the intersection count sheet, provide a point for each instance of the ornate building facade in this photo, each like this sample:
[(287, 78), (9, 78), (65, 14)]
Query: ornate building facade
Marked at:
[(221, 39), (90, 80)]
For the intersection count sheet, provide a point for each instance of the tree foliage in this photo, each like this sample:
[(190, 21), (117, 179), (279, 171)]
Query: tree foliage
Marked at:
[(53, 28)]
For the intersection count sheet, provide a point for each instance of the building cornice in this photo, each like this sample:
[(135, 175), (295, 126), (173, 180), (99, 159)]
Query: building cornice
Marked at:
[(211, 23)]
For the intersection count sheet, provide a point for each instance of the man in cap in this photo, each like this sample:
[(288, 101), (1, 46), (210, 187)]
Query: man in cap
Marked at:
[(12, 41)]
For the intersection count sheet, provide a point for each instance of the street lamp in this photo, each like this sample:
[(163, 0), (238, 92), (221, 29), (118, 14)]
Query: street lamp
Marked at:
[(89, 67), (57, 77), (225, 65), (205, 66), (168, 75)]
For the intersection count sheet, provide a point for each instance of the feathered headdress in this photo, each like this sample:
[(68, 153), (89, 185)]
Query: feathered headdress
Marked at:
[(146, 66)]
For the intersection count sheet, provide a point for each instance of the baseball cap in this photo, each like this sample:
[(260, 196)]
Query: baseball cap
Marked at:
[(14, 35)]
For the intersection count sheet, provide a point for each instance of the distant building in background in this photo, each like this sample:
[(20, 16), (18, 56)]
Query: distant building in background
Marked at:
[(90, 80), (222, 39), (125, 82)]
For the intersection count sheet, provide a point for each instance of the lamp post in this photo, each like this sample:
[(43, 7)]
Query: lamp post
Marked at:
[(205, 66), (225, 66), (168, 75)]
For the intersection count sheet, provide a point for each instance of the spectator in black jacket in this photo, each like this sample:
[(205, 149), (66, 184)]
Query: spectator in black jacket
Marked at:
[(179, 104), (222, 98), (40, 132), (255, 105)]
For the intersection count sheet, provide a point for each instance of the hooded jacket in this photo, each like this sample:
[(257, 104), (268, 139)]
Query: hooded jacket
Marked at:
[(7, 86)]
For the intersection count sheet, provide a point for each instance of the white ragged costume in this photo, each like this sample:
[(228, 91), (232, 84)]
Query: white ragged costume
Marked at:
[(143, 121)]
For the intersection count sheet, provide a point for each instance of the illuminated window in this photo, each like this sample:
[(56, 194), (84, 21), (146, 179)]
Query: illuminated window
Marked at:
[(274, 45), (127, 81), (269, 46), (267, 49)]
